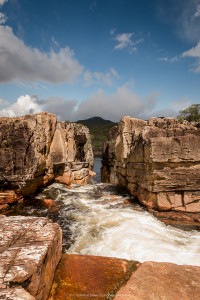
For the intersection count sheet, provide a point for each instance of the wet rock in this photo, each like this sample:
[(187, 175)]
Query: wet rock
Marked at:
[(186, 221), (89, 277), (157, 160), (30, 249), (155, 281)]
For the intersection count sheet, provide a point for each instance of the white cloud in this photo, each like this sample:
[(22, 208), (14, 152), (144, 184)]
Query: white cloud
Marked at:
[(2, 2), (106, 78), (123, 101), (23, 105), (64, 109), (127, 41), (195, 53), (20, 62), (109, 106), (2, 18), (124, 40), (169, 59), (113, 106)]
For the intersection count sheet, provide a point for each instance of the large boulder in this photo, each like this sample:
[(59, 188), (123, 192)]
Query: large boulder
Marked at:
[(158, 161), (30, 249), (94, 277), (155, 281), (36, 149)]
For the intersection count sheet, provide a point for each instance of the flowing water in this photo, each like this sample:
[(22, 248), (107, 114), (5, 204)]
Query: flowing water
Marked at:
[(98, 219)]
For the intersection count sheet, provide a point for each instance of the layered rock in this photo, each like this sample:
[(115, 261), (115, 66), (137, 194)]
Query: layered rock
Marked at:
[(36, 149), (30, 249), (157, 160)]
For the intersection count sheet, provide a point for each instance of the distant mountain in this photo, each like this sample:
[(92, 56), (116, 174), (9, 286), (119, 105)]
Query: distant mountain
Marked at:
[(99, 129)]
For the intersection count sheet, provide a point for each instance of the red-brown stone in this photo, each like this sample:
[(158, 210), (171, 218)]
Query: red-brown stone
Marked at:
[(162, 281), (90, 277)]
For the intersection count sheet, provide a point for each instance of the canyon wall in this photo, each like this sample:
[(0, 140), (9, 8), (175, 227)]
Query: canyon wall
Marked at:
[(157, 160), (36, 149)]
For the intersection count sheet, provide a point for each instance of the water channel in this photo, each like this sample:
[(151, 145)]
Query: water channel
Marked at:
[(100, 219)]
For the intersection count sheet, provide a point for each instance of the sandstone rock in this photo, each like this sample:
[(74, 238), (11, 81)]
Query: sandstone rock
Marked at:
[(36, 149), (186, 221), (158, 160), (155, 281), (90, 277), (15, 294), (30, 249)]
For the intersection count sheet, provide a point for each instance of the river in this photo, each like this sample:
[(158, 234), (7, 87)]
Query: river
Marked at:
[(99, 219)]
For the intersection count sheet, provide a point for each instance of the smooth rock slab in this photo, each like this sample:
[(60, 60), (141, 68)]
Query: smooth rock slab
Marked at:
[(162, 281), (84, 277), (30, 249)]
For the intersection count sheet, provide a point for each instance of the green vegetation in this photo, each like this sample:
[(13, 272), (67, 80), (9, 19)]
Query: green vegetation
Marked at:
[(191, 113), (99, 129)]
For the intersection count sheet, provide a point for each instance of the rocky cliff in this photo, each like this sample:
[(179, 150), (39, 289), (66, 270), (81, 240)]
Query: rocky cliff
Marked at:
[(157, 160), (36, 149)]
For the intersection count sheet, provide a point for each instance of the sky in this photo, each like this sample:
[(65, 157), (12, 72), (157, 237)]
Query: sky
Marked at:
[(107, 58)]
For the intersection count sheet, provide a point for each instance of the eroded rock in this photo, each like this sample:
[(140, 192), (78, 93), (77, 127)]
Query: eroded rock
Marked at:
[(158, 161), (36, 149), (30, 249)]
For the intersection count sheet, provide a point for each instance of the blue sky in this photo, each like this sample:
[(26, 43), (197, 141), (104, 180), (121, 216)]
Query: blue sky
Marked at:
[(108, 58)]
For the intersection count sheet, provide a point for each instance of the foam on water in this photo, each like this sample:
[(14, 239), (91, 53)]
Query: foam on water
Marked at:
[(101, 226)]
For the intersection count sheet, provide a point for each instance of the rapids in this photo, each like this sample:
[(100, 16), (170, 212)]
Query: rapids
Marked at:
[(98, 219), (102, 222)]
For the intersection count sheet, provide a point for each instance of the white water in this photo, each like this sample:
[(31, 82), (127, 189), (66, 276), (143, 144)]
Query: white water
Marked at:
[(103, 225)]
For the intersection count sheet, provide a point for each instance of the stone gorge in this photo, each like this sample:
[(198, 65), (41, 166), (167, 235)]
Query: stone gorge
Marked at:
[(36, 149), (157, 160)]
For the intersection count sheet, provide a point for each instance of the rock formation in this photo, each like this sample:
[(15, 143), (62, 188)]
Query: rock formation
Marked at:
[(36, 149), (157, 160), (30, 249), (94, 277)]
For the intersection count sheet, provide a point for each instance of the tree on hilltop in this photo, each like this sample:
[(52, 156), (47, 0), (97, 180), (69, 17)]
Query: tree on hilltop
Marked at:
[(191, 113)]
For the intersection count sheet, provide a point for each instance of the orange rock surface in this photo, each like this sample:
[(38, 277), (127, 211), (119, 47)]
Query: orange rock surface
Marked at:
[(162, 281), (90, 277)]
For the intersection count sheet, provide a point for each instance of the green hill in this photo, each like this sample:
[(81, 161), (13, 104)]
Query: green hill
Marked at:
[(99, 129)]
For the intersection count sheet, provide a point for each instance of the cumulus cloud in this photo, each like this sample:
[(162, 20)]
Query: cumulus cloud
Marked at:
[(195, 53), (64, 109), (113, 106), (106, 78), (20, 62), (127, 40), (23, 105), (124, 101)]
